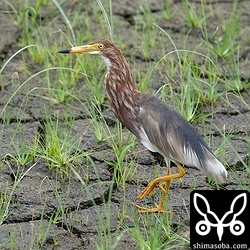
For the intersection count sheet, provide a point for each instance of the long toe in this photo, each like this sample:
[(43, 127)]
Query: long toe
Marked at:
[(156, 209)]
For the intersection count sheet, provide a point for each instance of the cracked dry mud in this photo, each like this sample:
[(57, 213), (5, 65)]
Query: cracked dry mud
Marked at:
[(41, 191)]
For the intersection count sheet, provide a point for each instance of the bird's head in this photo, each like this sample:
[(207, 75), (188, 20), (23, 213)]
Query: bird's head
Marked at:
[(106, 49)]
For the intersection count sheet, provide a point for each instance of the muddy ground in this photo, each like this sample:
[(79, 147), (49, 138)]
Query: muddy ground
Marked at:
[(36, 195)]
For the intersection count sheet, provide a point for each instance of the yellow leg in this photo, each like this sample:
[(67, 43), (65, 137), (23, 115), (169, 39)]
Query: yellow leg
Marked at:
[(167, 179), (165, 189), (158, 208)]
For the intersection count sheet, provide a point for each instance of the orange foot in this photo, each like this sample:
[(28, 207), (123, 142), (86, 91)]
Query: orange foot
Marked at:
[(156, 183), (157, 209)]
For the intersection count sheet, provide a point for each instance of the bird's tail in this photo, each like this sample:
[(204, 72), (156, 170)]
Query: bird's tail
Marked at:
[(215, 170)]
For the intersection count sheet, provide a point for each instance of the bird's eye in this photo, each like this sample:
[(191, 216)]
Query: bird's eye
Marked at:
[(100, 46)]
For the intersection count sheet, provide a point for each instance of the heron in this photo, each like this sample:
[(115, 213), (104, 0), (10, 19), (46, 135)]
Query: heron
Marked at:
[(158, 126)]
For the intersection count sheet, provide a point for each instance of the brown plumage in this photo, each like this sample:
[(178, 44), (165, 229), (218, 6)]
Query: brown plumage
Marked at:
[(158, 126)]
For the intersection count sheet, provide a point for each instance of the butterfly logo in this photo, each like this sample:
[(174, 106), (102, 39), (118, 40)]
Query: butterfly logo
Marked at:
[(203, 227)]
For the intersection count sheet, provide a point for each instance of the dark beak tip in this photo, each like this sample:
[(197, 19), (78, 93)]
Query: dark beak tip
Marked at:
[(64, 51)]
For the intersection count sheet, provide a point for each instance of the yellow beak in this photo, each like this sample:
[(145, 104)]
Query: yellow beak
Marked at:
[(85, 49)]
